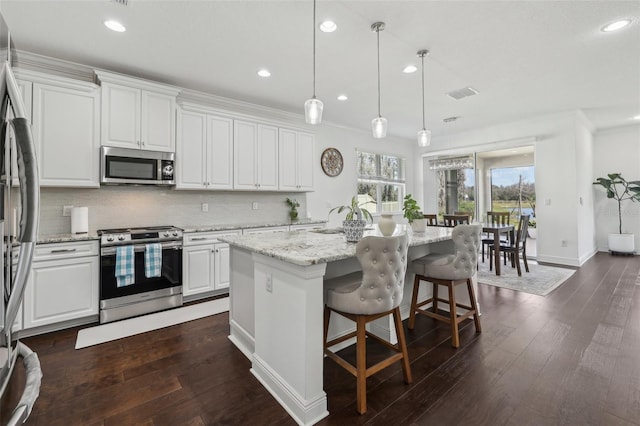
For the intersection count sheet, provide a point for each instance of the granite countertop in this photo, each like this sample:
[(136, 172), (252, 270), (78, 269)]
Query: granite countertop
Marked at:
[(327, 245), (66, 238), (226, 227)]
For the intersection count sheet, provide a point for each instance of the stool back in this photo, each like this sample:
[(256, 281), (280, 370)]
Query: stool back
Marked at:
[(466, 239), (384, 264)]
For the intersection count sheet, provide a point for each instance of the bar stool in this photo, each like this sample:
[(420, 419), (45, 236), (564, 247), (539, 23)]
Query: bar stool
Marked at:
[(449, 270), (364, 296)]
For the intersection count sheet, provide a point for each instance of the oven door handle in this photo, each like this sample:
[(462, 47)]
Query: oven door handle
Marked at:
[(109, 251)]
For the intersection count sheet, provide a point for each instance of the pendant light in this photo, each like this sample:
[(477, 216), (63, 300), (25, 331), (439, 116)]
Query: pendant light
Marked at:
[(378, 124), (313, 107), (424, 135)]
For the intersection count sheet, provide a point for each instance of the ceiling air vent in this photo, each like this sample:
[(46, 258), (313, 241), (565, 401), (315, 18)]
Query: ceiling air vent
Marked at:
[(462, 93), (121, 2), (451, 119)]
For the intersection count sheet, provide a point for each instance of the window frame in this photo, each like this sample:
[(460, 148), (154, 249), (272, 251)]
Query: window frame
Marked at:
[(380, 181)]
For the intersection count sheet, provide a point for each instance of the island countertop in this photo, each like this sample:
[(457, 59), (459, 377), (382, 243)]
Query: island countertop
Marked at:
[(322, 246)]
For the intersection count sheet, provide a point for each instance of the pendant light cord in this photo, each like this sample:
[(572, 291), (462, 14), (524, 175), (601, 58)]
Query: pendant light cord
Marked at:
[(423, 119), (314, 49), (378, 34)]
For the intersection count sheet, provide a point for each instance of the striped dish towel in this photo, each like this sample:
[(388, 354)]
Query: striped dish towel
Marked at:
[(152, 260), (125, 266)]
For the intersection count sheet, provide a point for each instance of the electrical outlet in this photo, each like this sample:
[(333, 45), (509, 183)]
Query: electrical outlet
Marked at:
[(254, 205), (563, 243), (269, 283), (66, 210), (205, 207)]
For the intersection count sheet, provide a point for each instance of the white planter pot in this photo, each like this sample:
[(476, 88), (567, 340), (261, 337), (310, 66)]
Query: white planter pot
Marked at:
[(621, 243), (533, 233), (419, 225)]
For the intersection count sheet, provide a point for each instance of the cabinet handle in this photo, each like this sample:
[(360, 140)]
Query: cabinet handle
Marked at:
[(63, 251), (142, 143), (198, 238)]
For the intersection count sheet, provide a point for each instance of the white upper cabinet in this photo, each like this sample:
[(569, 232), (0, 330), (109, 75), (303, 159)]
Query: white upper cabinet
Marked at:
[(204, 151), (296, 153), (137, 113), (255, 154), (65, 120)]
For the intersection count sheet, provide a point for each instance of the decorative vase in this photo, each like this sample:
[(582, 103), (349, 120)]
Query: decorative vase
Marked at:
[(293, 214), (353, 229), (419, 225), (386, 224), (621, 243)]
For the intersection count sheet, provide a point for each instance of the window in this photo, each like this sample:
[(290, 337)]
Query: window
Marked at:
[(513, 190), (381, 182)]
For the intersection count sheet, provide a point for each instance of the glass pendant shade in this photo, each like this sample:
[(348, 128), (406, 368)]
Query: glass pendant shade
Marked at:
[(379, 127), (424, 137), (313, 111)]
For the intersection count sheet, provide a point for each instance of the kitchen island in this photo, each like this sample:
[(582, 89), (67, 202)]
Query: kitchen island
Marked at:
[(276, 306)]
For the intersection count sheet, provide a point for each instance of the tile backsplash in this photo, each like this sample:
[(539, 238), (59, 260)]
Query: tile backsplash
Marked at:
[(123, 206)]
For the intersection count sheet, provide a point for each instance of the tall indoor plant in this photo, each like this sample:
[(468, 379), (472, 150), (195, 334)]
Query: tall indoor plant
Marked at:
[(353, 223), (619, 189)]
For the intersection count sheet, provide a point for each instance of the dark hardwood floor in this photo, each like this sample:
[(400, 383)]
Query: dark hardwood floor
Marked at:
[(570, 358)]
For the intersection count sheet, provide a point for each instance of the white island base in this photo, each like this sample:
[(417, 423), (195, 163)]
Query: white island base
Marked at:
[(276, 313)]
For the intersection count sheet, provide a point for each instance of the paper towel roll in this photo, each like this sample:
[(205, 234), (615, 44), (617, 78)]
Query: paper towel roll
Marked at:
[(80, 220)]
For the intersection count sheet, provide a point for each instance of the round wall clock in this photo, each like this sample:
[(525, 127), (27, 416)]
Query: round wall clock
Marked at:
[(331, 162)]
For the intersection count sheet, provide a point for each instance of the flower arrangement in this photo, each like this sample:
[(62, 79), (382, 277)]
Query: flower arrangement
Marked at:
[(293, 208)]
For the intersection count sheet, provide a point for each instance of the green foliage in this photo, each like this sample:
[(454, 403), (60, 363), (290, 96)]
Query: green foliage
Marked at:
[(354, 209), (532, 223), (411, 210), (293, 206), (619, 189)]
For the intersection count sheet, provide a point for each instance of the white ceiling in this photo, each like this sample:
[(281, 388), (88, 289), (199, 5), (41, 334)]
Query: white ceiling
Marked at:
[(526, 58)]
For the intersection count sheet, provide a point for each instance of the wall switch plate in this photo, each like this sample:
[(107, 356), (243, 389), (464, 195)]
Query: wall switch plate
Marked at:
[(254, 205), (205, 207), (66, 210), (269, 283)]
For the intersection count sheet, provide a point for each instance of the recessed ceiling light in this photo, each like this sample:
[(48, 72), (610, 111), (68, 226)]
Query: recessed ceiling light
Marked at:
[(328, 26), (264, 73), (342, 97), (409, 69), (613, 26), (115, 26)]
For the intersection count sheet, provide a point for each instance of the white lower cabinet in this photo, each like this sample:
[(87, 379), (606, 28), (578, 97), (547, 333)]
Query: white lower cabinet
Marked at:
[(63, 284), (205, 263)]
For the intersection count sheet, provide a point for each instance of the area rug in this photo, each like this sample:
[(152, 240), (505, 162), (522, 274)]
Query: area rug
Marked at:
[(540, 279), (129, 327)]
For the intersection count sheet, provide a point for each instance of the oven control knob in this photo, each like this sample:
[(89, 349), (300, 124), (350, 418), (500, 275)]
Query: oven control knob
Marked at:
[(120, 237), (110, 238), (166, 233), (175, 233)]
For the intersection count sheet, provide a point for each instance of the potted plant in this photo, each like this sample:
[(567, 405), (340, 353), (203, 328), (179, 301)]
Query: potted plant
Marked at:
[(411, 211), (619, 189), (293, 206), (353, 223)]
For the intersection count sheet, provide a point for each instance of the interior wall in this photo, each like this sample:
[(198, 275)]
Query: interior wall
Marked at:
[(584, 190), (616, 151)]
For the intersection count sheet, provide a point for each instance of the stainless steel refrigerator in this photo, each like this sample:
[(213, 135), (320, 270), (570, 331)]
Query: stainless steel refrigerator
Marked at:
[(16, 142)]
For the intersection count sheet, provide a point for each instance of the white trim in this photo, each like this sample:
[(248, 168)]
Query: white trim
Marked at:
[(489, 146), (125, 80), (242, 339), (569, 261), (55, 80)]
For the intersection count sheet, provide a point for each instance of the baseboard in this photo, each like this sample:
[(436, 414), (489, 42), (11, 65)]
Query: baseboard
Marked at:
[(242, 339), (557, 260)]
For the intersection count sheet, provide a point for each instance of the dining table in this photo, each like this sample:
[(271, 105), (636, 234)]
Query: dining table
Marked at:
[(497, 230)]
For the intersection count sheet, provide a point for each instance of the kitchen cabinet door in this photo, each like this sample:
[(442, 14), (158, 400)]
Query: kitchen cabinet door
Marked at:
[(255, 153), (66, 134), (222, 263), (61, 290), (296, 151), (191, 155), (157, 121), (120, 116), (198, 269), (219, 153)]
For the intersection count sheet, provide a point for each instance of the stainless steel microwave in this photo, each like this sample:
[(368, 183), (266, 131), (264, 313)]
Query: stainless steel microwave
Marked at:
[(119, 166)]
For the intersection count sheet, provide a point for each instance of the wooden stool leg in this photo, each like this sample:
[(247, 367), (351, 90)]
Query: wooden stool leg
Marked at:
[(361, 365), (434, 293), (455, 339), (402, 345), (474, 305), (414, 303)]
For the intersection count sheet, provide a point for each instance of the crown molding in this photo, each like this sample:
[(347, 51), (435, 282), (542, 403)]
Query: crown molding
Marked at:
[(125, 80), (45, 64)]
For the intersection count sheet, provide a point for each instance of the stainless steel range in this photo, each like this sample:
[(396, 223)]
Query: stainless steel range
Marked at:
[(140, 295)]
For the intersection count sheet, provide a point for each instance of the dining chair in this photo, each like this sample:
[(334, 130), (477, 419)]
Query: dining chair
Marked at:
[(449, 270), (462, 213), (518, 249), (451, 220), (365, 296), (494, 218), (432, 219)]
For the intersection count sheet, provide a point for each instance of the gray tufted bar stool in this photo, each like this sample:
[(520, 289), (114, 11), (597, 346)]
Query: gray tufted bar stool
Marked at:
[(364, 296), (449, 270)]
